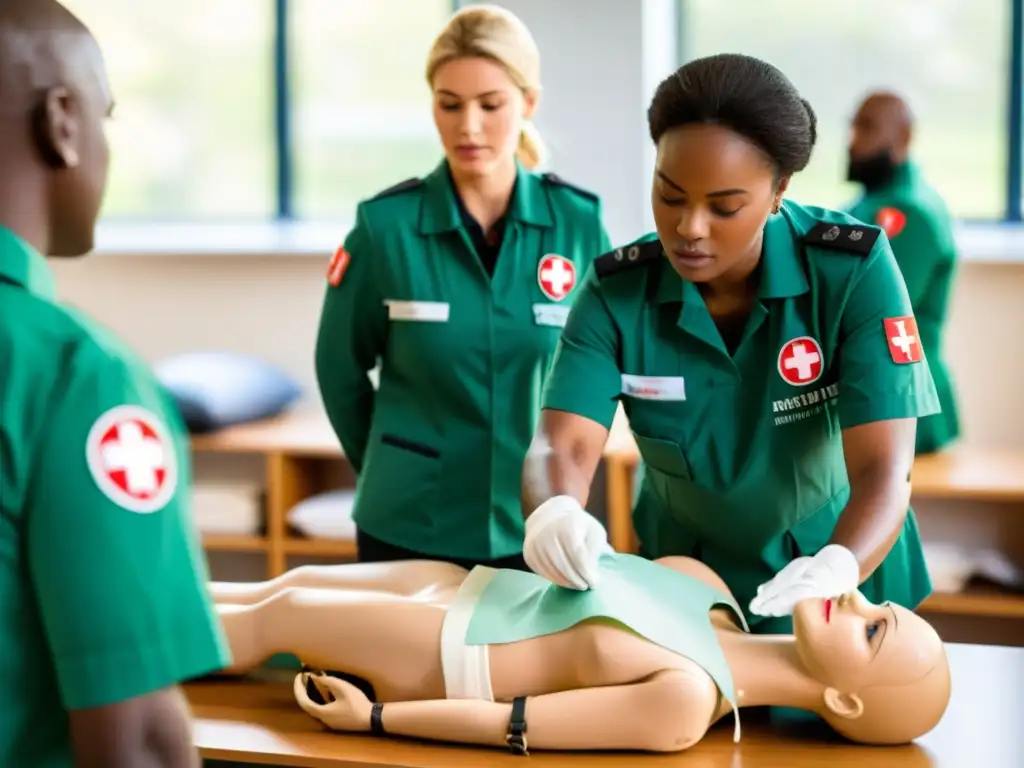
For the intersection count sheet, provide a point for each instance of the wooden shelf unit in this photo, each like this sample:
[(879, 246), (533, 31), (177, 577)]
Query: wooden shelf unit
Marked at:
[(301, 458)]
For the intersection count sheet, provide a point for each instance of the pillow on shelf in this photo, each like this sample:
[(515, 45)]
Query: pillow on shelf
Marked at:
[(214, 390), (325, 516)]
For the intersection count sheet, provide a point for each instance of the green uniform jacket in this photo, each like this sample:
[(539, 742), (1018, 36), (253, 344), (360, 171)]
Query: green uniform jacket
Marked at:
[(439, 446), (102, 579), (743, 455), (921, 232)]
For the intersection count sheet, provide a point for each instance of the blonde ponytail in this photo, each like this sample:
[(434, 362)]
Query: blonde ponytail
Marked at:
[(531, 151)]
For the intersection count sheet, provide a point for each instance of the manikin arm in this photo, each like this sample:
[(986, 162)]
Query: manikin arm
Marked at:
[(668, 712)]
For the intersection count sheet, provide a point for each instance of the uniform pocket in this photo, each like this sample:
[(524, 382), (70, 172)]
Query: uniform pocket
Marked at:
[(664, 456), (398, 489), (409, 445)]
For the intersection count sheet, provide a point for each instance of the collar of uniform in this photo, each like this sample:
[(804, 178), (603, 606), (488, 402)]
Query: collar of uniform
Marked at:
[(23, 265), (782, 274), (905, 174), (441, 203)]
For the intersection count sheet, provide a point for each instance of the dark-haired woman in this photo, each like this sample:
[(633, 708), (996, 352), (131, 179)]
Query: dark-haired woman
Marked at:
[(766, 355)]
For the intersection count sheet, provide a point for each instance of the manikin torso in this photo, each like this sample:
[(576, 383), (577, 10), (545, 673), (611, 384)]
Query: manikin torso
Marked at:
[(592, 654)]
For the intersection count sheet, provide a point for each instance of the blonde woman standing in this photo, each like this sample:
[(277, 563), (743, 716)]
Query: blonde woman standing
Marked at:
[(459, 284)]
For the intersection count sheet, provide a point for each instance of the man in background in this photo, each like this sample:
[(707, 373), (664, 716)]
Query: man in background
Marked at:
[(898, 199), (103, 601)]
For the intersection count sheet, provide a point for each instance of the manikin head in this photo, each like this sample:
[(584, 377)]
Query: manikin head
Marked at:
[(883, 668), (484, 71), (54, 99)]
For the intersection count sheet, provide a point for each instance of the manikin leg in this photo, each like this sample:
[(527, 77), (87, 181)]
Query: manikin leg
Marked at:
[(421, 578), (391, 641)]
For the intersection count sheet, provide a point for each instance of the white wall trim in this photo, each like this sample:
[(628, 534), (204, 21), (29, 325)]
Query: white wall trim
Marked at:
[(978, 243)]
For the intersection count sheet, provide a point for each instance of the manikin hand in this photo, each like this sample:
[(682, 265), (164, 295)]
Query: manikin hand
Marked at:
[(564, 543), (832, 572), (347, 708)]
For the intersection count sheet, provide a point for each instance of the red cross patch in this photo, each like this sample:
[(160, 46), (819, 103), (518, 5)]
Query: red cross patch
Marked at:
[(131, 458), (339, 263), (801, 361), (556, 276), (891, 220), (904, 340)]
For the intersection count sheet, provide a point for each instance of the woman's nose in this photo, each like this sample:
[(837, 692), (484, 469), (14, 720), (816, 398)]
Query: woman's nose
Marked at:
[(692, 227)]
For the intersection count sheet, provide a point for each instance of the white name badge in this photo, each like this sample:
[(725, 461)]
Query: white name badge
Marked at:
[(419, 311), (550, 314), (654, 387)]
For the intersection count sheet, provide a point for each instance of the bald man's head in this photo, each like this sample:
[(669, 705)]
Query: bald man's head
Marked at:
[(879, 138), (54, 98)]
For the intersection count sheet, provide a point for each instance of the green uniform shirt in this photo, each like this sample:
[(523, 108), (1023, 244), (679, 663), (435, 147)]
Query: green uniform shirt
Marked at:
[(102, 581), (921, 232), (439, 446), (743, 456)]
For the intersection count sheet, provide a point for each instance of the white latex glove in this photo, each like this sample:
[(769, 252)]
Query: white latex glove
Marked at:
[(564, 543), (832, 572)]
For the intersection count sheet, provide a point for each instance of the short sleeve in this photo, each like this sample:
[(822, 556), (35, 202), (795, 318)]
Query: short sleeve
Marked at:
[(351, 337), (878, 376), (585, 377), (116, 564)]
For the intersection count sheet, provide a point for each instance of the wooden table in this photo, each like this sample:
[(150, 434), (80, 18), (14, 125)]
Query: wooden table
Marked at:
[(258, 722)]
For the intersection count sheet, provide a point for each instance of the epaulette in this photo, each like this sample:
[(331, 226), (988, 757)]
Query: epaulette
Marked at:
[(402, 186), (558, 181), (855, 238), (627, 257)]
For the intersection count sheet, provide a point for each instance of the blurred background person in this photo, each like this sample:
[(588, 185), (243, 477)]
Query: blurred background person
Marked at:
[(897, 198)]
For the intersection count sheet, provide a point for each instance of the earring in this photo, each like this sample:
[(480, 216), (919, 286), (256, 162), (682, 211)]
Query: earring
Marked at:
[(777, 206)]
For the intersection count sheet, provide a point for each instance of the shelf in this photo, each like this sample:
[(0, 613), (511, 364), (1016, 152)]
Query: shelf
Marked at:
[(315, 547), (976, 474), (228, 542), (976, 601)]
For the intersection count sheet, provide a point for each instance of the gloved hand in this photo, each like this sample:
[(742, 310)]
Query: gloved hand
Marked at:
[(832, 572), (564, 543)]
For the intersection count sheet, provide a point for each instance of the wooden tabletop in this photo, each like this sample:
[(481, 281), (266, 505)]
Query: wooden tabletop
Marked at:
[(256, 721)]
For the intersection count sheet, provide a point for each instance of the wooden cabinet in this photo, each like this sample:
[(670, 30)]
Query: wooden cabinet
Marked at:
[(301, 458)]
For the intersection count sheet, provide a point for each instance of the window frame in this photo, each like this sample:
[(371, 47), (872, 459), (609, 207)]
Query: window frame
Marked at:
[(283, 143), (1013, 183), (997, 241)]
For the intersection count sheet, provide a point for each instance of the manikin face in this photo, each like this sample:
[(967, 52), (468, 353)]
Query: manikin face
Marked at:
[(849, 644), (479, 113)]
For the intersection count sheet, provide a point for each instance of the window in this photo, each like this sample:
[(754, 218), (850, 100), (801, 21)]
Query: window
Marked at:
[(192, 135), (950, 58), (196, 132), (361, 115)]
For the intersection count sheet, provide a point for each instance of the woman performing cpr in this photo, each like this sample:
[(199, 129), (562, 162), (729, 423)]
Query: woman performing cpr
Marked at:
[(476, 657)]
